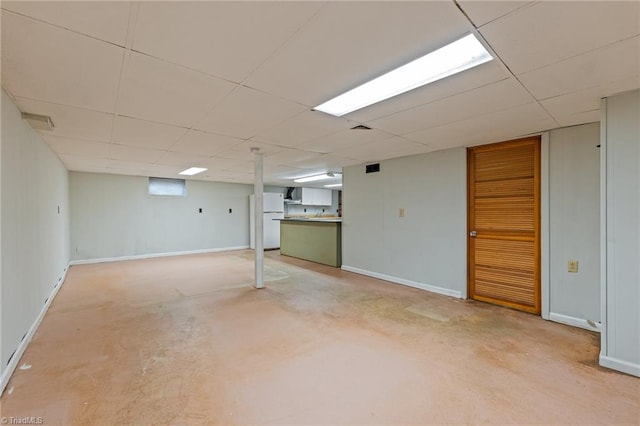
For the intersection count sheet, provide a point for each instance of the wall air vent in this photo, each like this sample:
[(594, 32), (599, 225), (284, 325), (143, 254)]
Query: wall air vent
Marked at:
[(372, 168), (361, 127)]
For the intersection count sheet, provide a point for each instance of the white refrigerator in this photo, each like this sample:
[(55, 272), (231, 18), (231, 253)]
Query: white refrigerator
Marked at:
[(273, 209)]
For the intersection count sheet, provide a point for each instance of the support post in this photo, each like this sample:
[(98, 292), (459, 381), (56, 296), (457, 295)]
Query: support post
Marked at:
[(258, 190)]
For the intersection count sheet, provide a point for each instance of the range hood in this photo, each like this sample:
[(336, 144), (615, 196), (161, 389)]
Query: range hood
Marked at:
[(288, 198)]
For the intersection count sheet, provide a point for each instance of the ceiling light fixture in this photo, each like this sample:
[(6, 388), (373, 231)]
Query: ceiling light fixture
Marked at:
[(317, 177), (333, 185), (453, 58), (192, 171)]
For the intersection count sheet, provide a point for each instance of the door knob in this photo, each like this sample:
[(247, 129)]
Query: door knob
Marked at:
[(473, 233)]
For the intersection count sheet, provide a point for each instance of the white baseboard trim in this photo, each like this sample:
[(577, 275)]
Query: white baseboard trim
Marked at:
[(153, 255), (620, 365), (17, 355), (409, 283), (575, 322)]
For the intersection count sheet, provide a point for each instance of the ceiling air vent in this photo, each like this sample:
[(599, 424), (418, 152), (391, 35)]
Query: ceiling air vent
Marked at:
[(38, 122), (361, 127), (372, 168)]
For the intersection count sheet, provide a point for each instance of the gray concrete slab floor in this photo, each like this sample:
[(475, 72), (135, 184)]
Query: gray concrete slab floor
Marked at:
[(187, 340)]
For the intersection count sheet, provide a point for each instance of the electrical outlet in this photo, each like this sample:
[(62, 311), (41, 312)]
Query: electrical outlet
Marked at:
[(401, 212), (573, 266)]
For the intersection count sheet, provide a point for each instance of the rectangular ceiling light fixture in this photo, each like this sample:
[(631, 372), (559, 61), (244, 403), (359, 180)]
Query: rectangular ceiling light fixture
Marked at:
[(192, 171), (453, 58), (333, 185), (317, 177)]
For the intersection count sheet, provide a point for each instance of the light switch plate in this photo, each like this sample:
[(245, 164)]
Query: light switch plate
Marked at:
[(572, 266), (401, 212)]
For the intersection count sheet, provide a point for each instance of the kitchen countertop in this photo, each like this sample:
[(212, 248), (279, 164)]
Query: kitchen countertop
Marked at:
[(313, 219)]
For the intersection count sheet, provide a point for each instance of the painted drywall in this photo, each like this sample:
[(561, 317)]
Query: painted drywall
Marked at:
[(113, 216), (574, 222), (620, 347), (35, 234), (426, 247)]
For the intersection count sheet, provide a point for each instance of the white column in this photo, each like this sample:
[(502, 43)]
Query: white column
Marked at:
[(258, 190)]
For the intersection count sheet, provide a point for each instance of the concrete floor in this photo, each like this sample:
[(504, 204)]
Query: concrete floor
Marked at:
[(186, 340)]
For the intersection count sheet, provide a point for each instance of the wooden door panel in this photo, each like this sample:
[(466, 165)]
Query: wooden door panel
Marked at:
[(505, 163), (504, 213), (494, 253), (504, 188)]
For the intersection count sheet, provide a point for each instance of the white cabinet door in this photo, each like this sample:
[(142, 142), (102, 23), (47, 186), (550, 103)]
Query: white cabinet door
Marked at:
[(324, 196), (316, 197)]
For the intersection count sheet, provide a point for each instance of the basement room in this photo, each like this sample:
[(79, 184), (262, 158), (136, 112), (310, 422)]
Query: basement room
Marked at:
[(320, 212)]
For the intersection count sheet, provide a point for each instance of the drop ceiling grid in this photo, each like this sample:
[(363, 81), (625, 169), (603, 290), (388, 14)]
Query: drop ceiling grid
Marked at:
[(344, 43), (496, 96), (319, 58), (549, 32), (47, 63)]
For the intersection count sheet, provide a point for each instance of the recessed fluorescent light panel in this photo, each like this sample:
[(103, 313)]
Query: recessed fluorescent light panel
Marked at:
[(317, 177), (451, 59), (333, 185), (192, 171)]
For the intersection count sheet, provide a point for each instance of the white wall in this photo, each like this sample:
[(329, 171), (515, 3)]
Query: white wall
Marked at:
[(620, 346), (113, 216), (574, 224), (426, 248), (35, 237)]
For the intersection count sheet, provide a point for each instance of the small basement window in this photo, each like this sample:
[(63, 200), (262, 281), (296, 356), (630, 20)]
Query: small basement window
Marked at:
[(164, 187)]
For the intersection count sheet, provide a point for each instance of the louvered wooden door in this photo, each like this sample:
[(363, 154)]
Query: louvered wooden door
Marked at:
[(504, 224)]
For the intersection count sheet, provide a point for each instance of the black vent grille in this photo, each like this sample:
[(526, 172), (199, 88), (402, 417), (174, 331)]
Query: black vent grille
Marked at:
[(372, 168), (361, 127)]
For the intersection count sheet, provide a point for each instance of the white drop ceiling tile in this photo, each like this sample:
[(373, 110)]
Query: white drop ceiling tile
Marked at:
[(481, 75), (571, 108), (203, 143), (225, 39), (495, 127), (288, 156), (349, 43), (84, 164), (492, 97), (620, 61), (155, 90), (242, 151), (77, 123), (382, 150), (105, 20), (134, 153), (229, 165), (325, 163), (182, 160), (548, 31), (482, 12), (579, 118), (146, 134), (246, 112), (63, 145), (43, 62), (303, 128), (135, 168), (344, 139)]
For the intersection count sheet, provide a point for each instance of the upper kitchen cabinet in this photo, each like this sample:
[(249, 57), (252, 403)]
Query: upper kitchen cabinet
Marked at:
[(315, 196)]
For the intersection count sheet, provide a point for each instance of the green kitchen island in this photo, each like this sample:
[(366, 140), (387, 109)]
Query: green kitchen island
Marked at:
[(314, 239)]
